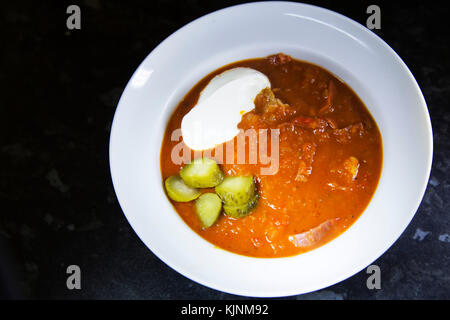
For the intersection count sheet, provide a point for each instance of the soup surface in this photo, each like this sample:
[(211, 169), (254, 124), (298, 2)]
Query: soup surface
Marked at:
[(329, 159)]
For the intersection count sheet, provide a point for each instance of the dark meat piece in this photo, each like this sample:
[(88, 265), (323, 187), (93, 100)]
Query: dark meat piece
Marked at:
[(279, 59)]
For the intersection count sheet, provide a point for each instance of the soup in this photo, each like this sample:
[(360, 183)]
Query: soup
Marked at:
[(329, 159)]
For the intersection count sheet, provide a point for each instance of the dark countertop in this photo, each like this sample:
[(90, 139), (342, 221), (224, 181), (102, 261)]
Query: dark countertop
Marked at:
[(59, 93)]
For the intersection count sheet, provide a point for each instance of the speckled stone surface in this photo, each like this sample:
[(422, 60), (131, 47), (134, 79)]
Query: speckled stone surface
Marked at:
[(59, 90)]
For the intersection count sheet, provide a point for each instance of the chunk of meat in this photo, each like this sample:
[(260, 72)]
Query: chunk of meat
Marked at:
[(279, 59), (314, 235), (346, 174), (272, 109), (265, 101), (320, 126), (345, 135), (351, 165)]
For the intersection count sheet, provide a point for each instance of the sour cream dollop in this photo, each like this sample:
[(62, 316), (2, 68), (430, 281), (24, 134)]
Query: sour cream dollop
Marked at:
[(214, 119)]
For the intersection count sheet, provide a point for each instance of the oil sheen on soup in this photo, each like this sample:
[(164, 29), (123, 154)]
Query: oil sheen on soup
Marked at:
[(329, 161)]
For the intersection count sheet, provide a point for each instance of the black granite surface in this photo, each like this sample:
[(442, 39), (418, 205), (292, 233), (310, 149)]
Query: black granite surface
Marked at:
[(59, 90)]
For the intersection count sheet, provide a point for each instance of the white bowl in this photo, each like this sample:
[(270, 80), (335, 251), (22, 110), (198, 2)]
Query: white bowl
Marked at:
[(342, 46)]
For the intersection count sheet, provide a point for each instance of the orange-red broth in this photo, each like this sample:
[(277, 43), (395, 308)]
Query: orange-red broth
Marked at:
[(293, 215)]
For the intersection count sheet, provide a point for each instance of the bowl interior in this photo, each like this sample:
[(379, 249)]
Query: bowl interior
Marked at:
[(354, 54)]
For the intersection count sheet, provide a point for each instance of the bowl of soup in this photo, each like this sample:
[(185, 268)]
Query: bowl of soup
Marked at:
[(314, 156)]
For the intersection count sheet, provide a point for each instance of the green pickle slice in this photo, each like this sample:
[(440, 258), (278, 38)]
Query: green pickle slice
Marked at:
[(236, 191), (208, 207), (241, 210), (177, 190), (202, 173)]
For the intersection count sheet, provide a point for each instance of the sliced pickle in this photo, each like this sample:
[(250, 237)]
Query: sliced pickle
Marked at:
[(236, 191), (177, 190), (241, 210), (202, 173), (208, 207)]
